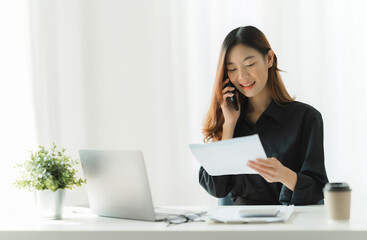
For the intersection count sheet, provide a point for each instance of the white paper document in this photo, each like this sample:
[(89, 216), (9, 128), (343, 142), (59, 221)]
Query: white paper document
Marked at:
[(229, 156), (231, 215)]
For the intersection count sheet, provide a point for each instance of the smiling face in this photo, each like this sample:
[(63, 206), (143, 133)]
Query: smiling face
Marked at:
[(248, 70)]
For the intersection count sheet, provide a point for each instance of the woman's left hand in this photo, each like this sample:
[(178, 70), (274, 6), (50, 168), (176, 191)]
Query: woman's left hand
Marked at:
[(271, 169)]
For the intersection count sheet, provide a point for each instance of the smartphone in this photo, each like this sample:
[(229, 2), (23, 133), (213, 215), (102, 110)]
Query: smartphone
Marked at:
[(232, 100), (259, 212)]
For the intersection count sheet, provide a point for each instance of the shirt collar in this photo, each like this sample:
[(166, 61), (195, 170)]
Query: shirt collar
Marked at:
[(274, 110)]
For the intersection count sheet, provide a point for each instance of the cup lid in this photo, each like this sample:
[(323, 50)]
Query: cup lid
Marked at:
[(337, 187)]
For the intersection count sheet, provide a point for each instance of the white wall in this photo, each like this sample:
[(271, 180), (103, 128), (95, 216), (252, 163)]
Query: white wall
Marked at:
[(105, 78), (17, 123), (139, 75)]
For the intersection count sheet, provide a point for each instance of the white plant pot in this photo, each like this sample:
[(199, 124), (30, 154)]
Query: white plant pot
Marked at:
[(50, 204)]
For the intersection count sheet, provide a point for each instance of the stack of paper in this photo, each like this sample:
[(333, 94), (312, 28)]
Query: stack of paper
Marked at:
[(231, 215)]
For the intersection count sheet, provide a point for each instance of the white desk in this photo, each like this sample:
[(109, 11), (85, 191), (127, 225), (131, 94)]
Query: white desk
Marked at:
[(307, 222)]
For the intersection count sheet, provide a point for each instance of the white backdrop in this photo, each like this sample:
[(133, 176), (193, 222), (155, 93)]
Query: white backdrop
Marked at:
[(112, 74)]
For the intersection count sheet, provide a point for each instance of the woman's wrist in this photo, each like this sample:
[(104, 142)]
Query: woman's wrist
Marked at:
[(290, 179), (228, 130), (229, 124)]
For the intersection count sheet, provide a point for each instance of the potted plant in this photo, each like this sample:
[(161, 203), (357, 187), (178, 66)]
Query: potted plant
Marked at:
[(48, 173)]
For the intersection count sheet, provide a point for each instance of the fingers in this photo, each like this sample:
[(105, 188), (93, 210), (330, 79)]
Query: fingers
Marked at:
[(269, 169), (228, 89), (229, 94), (265, 162), (268, 176), (260, 166), (226, 86), (226, 81)]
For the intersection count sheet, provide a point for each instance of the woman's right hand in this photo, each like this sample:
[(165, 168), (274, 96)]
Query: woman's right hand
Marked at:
[(230, 114)]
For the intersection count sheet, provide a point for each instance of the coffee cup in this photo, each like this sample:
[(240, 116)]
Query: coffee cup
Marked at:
[(337, 201)]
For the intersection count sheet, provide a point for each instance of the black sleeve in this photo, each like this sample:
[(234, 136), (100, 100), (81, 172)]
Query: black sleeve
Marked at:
[(312, 176), (217, 186)]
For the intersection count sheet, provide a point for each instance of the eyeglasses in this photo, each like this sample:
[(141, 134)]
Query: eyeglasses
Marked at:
[(184, 218)]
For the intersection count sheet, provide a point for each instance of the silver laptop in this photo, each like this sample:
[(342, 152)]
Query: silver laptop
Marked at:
[(117, 185)]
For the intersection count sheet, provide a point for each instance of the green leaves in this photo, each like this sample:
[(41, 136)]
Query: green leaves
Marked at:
[(48, 169)]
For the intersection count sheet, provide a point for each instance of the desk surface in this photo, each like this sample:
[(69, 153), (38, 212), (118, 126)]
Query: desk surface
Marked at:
[(306, 222)]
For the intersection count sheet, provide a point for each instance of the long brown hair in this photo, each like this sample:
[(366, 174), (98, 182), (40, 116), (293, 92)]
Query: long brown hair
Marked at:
[(254, 38)]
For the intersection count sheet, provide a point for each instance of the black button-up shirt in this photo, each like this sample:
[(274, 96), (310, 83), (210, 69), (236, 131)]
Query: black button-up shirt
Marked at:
[(292, 133)]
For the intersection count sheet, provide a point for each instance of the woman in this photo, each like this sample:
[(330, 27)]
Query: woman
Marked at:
[(291, 132)]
